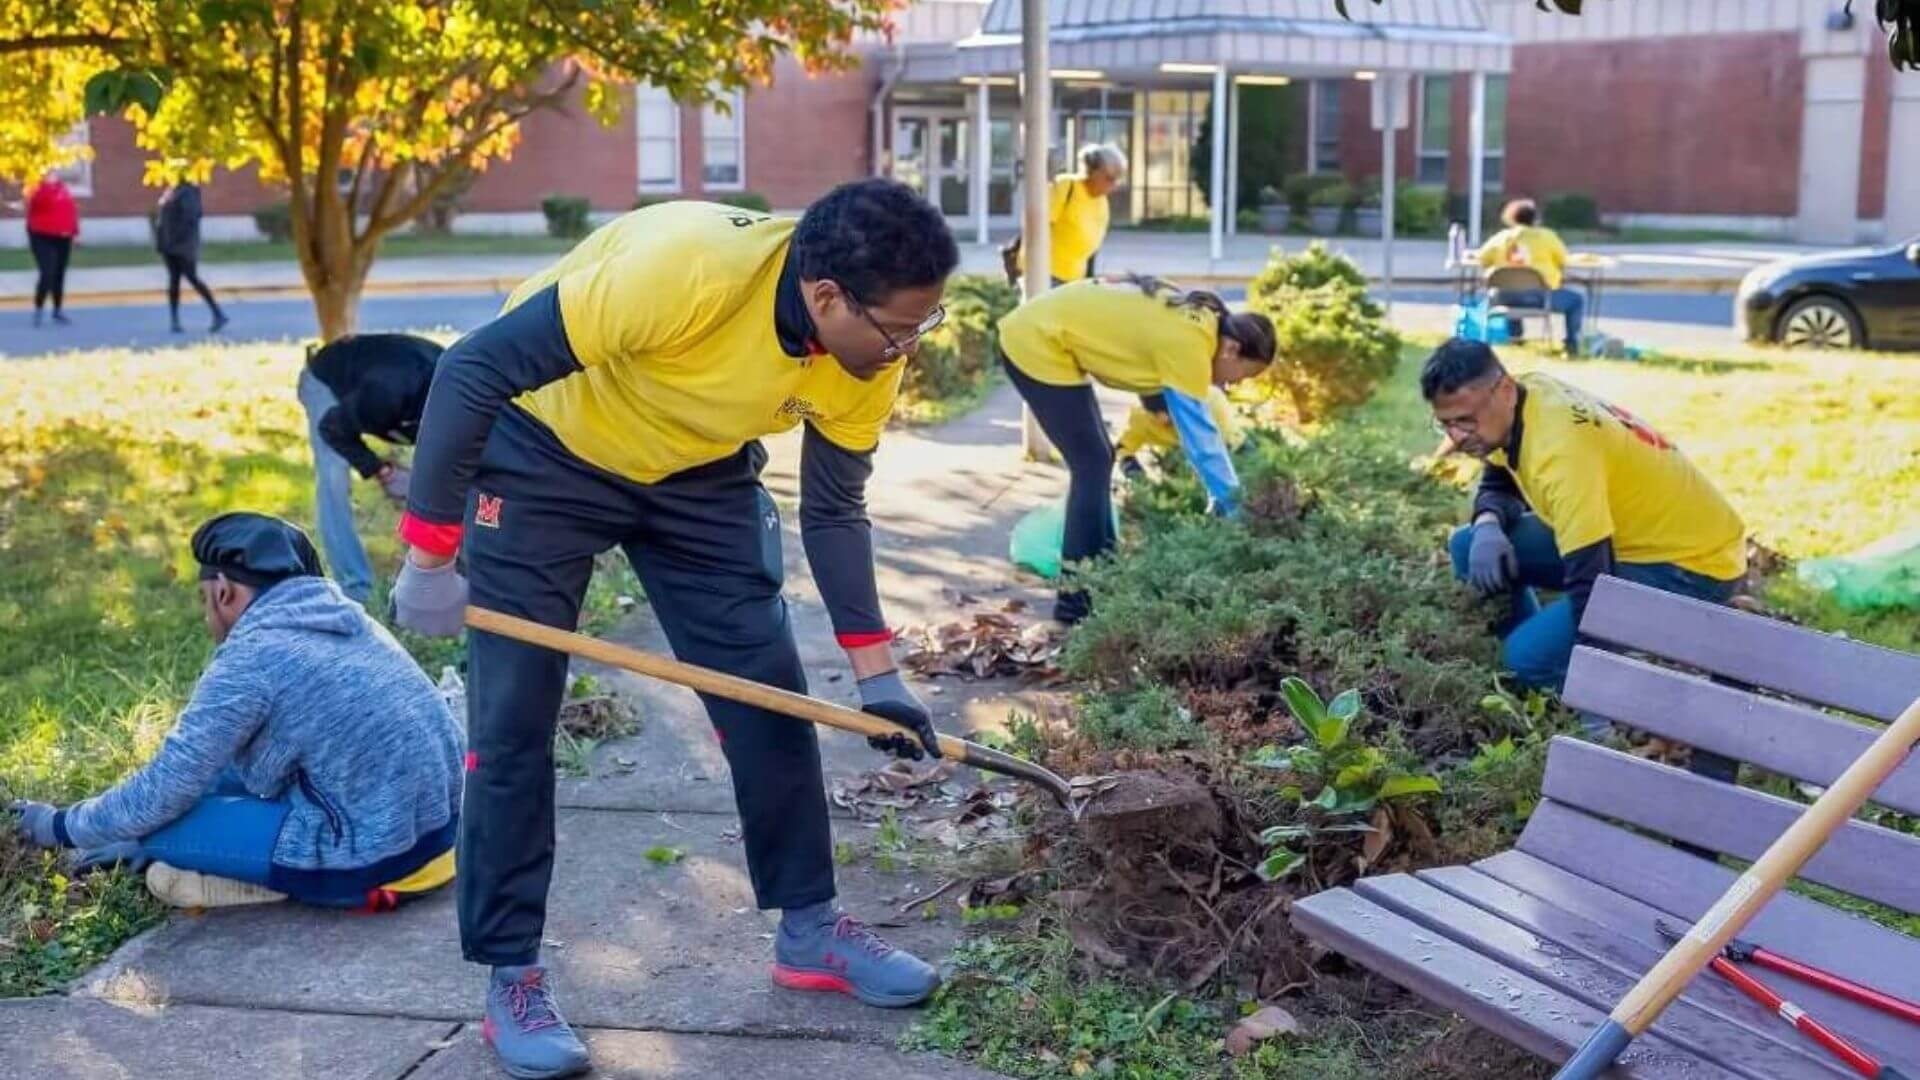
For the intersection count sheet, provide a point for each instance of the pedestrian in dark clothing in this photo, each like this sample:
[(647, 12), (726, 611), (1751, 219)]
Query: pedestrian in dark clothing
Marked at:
[(53, 221), (177, 236), (361, 385)]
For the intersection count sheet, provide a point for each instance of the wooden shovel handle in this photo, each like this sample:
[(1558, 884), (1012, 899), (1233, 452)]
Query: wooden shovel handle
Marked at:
[(759, 695)]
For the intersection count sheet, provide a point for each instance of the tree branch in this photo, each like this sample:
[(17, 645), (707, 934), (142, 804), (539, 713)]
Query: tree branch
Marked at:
[(77, 40)]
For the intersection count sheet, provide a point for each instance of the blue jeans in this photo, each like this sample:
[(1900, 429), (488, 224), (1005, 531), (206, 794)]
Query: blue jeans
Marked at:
[(1539, 644), (1564, 302), (232, 833), (333, 498)]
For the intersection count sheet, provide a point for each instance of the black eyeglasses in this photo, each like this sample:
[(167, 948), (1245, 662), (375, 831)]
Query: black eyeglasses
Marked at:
[(897, 347)]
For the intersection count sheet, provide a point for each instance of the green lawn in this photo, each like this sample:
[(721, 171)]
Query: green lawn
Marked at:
[(87, 255)]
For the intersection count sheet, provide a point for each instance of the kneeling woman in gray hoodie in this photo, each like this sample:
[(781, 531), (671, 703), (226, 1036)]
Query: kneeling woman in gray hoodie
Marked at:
[(315, 760)]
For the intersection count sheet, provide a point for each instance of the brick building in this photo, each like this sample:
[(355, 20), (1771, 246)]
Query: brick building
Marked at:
[(1761, 116)]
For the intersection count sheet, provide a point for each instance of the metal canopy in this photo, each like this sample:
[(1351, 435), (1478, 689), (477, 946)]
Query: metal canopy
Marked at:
[(1295, 37)]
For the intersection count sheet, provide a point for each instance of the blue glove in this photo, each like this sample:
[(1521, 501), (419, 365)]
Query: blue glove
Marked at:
[(36, 823), (886, 696)]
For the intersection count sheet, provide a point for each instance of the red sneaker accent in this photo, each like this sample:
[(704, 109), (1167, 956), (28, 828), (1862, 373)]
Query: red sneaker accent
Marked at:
[(473, 761), (794, 979)]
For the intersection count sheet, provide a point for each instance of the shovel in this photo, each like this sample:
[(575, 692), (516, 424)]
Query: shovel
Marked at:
[(762, 696)]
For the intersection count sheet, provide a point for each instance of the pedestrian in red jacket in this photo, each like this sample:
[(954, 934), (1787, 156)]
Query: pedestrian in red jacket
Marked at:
[(53, 220)]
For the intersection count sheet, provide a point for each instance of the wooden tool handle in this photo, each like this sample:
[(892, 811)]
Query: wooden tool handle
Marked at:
[(1769, 874), (694, 677)]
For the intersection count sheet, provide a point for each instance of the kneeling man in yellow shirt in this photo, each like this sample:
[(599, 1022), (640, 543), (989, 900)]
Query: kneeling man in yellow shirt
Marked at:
[(1574, 487)]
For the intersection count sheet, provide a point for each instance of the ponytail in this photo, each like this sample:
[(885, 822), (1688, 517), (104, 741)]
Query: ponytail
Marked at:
[(1252, 330)]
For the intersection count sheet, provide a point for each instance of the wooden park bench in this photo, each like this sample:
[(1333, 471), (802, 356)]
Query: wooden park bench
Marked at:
[(1538, 944)]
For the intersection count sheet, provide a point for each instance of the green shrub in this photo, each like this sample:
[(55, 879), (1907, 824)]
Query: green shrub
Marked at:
[(1300, 189), (1313, 267), (1334, 343), (1180, 223), (1419, 210), (955, 363), (567, 215), (1151, 717), (1571, 210), (1338, 194), (1367, 193), (275, 222)]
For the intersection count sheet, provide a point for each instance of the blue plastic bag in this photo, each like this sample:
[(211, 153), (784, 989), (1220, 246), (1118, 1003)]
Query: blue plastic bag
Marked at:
[(1473, 322)]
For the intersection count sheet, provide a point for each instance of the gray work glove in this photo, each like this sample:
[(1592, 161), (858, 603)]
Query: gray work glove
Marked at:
[(886, 696), (126, 853), (430, 601), (1492, 565), (36, 823), (395, 481)]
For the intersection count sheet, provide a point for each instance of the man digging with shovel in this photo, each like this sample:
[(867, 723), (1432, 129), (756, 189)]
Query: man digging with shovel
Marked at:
[(618, 400)]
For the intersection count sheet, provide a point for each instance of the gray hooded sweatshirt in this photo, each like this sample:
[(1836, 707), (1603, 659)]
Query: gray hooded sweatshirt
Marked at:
[(311, 702)]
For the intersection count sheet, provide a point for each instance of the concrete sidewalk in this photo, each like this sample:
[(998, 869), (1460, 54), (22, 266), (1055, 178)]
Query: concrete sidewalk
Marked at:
[(1704, 267), (664, 966)]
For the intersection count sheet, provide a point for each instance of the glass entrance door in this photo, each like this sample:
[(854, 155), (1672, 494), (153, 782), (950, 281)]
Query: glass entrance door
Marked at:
[(933, 153)]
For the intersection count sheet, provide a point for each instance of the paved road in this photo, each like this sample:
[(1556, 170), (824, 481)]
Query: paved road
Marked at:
[(145, 325)]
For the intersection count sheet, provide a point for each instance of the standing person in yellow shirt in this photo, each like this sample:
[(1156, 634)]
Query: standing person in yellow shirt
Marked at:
[(1077, 215), (1144, 336), (618, 400), (1524, 242), (1574, 487)]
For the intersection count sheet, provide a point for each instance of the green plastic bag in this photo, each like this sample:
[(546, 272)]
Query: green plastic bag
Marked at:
[(1037, 539), (1881, 575)]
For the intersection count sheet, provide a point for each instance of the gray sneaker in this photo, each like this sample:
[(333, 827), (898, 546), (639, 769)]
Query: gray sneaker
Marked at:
[(845, 956), (526, 1030)]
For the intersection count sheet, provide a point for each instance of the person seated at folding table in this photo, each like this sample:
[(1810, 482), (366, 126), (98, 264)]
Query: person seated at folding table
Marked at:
[(1150, 427), (1144, 336), (1573, 488), (315, 761), (1525, 243)]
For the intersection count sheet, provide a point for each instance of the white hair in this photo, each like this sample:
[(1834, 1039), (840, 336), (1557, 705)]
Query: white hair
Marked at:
[(1103, 157)]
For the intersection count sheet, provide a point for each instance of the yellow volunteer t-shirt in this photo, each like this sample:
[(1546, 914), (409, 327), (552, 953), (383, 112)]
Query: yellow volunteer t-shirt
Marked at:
[(670, 311), (1531, 247), (1147, 429), (1078, 222), (1114, 334), (1592, 470)]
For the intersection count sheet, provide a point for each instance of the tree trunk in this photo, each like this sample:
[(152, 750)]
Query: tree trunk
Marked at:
[(337, 308)]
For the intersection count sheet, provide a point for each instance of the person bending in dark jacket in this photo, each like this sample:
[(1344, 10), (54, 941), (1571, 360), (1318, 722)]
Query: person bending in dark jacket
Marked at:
[(177, 237), (361, 385)]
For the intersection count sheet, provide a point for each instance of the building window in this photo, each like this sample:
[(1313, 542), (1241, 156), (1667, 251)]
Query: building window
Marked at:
[(1494, 174), (1173, 119), (78, 175), (723, 144), (658, 117), (1324, 118), (1436, 128)]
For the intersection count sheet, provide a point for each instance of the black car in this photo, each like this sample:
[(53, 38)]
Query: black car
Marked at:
[(1866, 298)]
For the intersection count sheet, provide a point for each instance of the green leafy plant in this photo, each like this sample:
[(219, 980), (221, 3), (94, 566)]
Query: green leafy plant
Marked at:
[(661, 855), (1314, 266), (1150, 717), (1419, 210), (1299, 190), (956, 362), (275, 222), (567, 215), (1339, 195), (1334, 342), (1333, 774)]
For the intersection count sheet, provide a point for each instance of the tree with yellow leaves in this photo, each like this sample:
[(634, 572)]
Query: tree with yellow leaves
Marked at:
[(366, 111)]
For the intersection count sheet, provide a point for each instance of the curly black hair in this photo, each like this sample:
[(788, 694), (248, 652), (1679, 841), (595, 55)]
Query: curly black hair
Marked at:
[(872, 237)]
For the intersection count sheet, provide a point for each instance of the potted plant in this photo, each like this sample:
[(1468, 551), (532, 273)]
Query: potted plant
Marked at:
[(1275, 214), (1327, 205), (1366, 209)]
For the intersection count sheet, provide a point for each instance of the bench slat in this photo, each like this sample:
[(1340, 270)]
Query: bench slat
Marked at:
[(1564, 852), (1816, 667), (1776, 735), (1876, 1032), (1862, 859), (1548, 1023), (1736, 1047)]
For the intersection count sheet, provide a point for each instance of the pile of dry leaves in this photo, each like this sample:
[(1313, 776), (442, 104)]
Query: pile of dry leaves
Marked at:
[(986, 645)]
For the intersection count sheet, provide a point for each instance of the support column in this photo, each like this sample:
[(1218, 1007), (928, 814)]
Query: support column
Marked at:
[(1036, 104), (1903, 160), (1217, 202), (1477, 159), (1389, 142), (982, 160), (1234, 102)]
